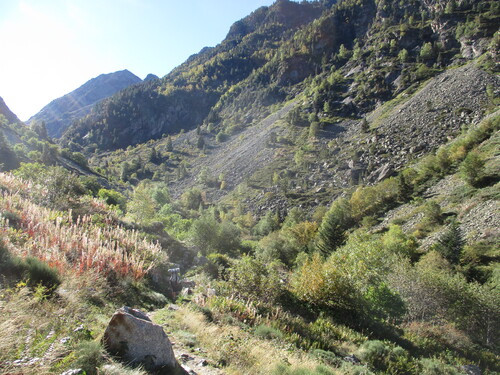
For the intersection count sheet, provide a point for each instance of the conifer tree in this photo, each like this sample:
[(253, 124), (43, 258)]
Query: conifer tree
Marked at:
[(169, 146), (332, 232), (451, 243)]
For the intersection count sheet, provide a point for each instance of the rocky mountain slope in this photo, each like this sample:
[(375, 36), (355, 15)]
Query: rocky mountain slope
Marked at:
[(60, 113), (324, 94)]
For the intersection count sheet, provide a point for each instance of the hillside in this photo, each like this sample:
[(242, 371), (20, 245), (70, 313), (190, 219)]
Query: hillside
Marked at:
[(325, 181), (60, 113), (184, 98), (9, 115)]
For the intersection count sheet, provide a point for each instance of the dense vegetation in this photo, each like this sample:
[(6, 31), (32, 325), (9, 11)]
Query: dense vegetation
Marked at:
[(343, 250)]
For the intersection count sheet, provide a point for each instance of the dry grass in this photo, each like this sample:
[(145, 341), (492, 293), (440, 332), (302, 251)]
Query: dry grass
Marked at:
[(72, 245), (41, 335), (237, 351)]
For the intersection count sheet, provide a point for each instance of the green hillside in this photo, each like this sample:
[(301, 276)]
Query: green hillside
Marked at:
[(326, 179)]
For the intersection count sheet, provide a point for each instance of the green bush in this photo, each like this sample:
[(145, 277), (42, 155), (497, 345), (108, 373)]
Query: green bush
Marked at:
[(267, 224), (267, 332), (375, 353), (217, 265), (37, 272), (472, 169), (250, 279), (14, 218), (211, 236), (329, 358), (384, 357), (113, 198), (434, 367), (90, 355)]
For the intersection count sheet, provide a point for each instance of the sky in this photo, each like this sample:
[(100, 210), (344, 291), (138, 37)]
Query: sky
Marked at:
[(51, 47)]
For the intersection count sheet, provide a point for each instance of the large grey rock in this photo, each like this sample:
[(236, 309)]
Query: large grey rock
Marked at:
[(133, 338)]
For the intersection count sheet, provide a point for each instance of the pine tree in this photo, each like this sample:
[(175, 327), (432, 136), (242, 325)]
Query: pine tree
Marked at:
[(200, 143), (332, 232), (451, 243), (169, 146)]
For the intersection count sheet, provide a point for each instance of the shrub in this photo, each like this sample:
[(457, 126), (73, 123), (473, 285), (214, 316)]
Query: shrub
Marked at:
[(322, 284), (267, 224), (267, 332), (89, 357), (434, 367), (142, 207), (251, 279), (113, 198), (384, 357), (37, 272), (13, 217), (328, 357), (192, 199), (385, 302), (375, 353), (218, 265), (472, 168), (211, 236), (337, 220), (432, 213), (283, 369), (397, 242)]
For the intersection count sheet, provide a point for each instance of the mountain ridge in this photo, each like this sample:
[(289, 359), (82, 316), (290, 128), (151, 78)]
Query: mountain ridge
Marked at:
[(61, 112), (9, 115)]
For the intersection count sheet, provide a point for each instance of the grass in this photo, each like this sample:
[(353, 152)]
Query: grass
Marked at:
[(232, 347), (61, 279)]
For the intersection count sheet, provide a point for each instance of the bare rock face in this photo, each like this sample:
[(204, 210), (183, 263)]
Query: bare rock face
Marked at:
[(132, 337)]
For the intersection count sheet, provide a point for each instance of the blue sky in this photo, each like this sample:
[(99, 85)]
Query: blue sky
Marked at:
[(51, 47)]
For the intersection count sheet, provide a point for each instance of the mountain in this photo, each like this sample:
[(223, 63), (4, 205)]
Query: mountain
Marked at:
[(349, 56), (184, 98), (326, 95), (9, 115), (327, 177), (60, 113), (151, 77)]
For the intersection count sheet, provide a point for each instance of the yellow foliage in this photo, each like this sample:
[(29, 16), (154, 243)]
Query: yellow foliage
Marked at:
[(303, 233)]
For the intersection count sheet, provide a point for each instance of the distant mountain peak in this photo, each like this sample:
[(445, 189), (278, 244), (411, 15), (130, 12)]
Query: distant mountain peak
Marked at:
[(60, 113), (151, 77), (9, 115)]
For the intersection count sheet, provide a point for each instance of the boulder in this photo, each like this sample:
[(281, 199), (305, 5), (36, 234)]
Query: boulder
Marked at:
[(132, 337), (160, 280), (471, 369)]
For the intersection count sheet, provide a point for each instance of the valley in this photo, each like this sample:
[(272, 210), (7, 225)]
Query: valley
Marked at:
[(324, 183)]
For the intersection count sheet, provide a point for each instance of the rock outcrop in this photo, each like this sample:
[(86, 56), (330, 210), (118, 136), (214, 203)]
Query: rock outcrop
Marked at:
[(132, 337)]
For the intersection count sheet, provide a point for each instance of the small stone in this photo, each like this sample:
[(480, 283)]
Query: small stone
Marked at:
[(65, 340), (352, 359), (203, 363), (79, 328), (186, 357), (471, 369), (75, 371)]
